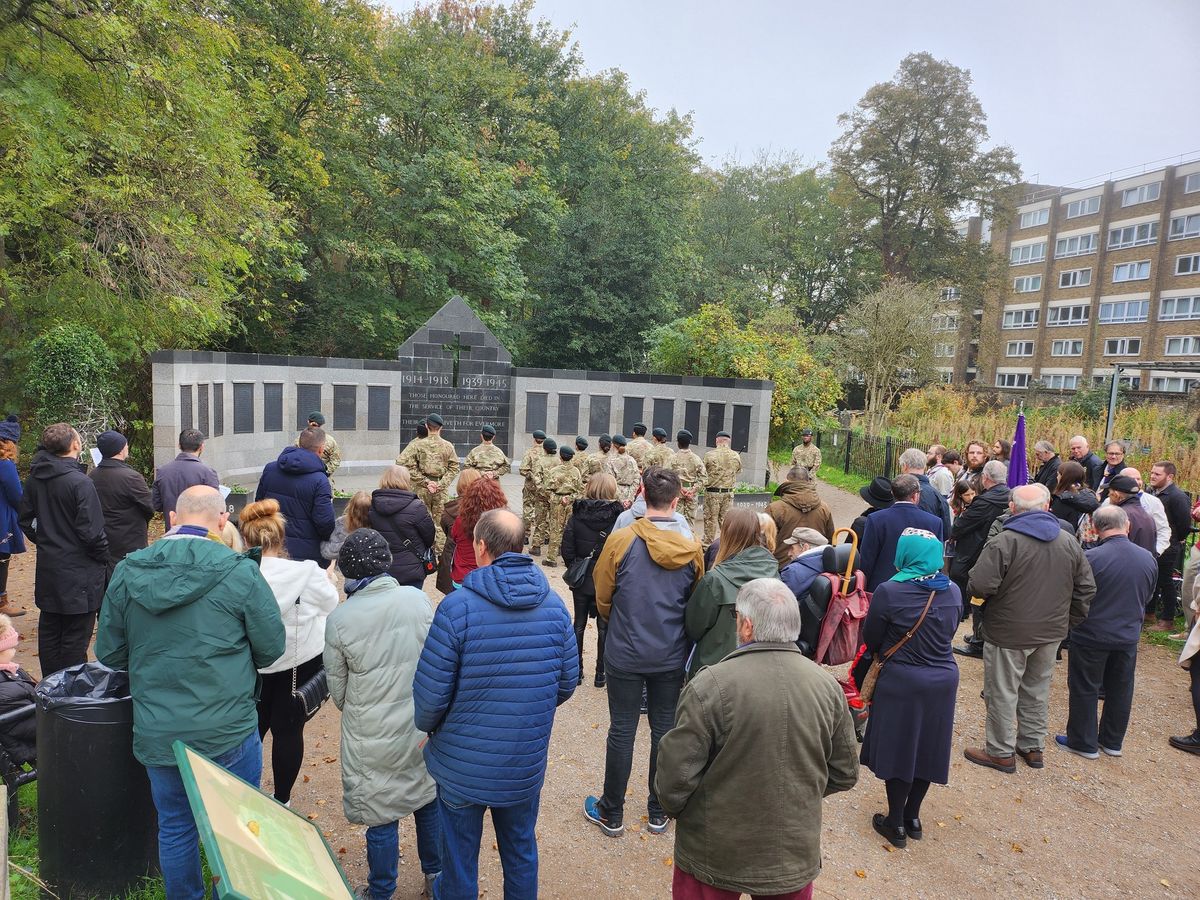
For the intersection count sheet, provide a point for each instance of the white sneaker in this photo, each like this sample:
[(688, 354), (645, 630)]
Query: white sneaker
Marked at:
[(1108, 752)]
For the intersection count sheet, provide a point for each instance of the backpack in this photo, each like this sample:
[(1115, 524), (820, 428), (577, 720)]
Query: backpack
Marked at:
[(841, 626)]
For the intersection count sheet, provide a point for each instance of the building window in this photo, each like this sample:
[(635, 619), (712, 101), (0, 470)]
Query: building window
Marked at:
[(1012, 379), (1184, 227), (1187, 345), (1079, 245), (1060, 382), (1027, 284), (1075, 278), (943, 349), (1134, 271), (1077, 208), (951, 293), (1066, 348), (1019, 348), (1069, 315), (1141, 194), (1118, 312), (1135, 235), (942, 322), (1191, 184), (1030, 253), (1021, 318), (1176, 309), (1037, 217), (1122, 346), (1173, 384), (1187, 265), (1133, 382)]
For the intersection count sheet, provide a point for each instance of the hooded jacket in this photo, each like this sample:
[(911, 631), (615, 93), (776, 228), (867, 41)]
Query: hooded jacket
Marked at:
[(500, 657), (11, 539), (1036, 582), (643, 578), (191, 620), (298, 481), (798, 506), (305, 597), (405, 523), (638, 509), (125, 499), (72, 557), (589, 520), (708, 619)]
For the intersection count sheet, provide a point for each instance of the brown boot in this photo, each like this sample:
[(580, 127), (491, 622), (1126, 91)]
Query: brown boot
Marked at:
[(1006, 764), (1033, 758), (10, 611)]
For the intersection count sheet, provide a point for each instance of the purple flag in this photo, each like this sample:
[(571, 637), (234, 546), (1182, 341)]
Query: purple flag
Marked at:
[(1018, 462)]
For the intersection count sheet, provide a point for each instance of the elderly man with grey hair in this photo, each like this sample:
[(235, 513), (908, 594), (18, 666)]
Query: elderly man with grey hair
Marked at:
[(737, 747), (913, 462), (1037, 584), (1048, 463)]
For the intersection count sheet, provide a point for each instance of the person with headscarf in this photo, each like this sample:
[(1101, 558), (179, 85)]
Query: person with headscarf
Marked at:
[(911, 729)]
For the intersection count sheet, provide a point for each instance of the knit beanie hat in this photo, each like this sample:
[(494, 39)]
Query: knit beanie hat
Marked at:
[(364, 553), (110, 443), (10, 429)]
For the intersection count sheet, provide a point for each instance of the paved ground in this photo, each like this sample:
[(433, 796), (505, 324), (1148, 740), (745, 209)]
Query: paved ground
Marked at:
[(1113, 827)]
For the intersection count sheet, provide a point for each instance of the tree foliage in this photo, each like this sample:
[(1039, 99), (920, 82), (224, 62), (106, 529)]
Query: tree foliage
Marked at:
[(71, 378)]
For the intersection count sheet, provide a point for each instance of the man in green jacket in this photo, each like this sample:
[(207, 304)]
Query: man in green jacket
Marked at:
[(192, 621), (737, 747)]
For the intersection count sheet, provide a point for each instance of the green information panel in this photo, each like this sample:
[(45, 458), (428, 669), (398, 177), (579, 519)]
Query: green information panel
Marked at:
[(259, 849)]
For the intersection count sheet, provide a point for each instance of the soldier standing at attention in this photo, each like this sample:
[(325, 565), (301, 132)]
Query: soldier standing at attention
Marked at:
[(540, 530), (488, 459), (639, 446), (660, 452), (597, 460), (624, 469), (692, 474), (529, 494), (332, 454), (564, 485), (406, 458), (433, 463), (582, 461), (723, 466), (806, 453)]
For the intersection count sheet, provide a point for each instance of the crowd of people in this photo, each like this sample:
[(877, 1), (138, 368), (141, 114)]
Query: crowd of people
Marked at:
[(233, 631)]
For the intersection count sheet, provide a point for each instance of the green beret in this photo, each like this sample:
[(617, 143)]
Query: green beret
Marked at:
[(722, 434), (488, 430), (620, 440), (807, 432), (549, 445), (434, 419), (539, 435), (581, 442), (315, 416), (684, 436), (660, 433), (606, 438), (565, 452)]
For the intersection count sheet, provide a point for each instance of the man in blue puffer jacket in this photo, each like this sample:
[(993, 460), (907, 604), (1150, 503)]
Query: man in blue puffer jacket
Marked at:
[(499, 659), (298, 481)]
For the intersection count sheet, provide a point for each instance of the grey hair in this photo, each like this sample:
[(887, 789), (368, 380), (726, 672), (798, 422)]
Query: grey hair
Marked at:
[(1044, 447), (799, 473), (1029, 497), (1110, 518), (912, 458), (200, 502), (905, 487), (996, 471), (771, 608)]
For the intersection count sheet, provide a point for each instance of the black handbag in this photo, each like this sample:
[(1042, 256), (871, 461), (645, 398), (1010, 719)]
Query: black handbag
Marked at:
[(309, 696), (427, 557), (577, 572)]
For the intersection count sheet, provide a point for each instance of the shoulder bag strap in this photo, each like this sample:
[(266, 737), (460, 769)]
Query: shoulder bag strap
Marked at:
[(296, 655), (908, 635)]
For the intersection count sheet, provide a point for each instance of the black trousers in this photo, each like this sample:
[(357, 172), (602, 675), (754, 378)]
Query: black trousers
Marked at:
[(1089, 671), (1195, 675), (585, 606), (63, 640), (4, 558), (1166, 594), (279, 714)]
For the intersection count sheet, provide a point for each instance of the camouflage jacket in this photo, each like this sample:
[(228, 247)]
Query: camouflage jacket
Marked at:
[(331, 455), (690, 468), (532, 455), (722, 466), (658, 455), (431, 458), (596, 461), (541, 468), (583, 463), (624, 469), (563, 481), (809, 457), (638, 448), (488, 459)]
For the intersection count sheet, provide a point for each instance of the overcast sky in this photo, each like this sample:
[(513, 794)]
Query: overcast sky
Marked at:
[(1079, 88)]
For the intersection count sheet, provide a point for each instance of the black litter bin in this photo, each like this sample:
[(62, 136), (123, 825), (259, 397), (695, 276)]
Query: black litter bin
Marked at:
[(97, 829)]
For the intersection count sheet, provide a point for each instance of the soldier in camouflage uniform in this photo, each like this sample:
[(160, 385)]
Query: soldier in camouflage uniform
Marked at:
[(529, 493), (581, 460), (486, 457), (692, 475), (332, 454), (624, 469), (540, 530), (564, 485), (660, 453), (597, 460), (723, 466), (806, 453), (638, 447), (433, 463)]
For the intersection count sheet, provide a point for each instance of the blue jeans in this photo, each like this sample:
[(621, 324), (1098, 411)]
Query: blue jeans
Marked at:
[(462, 830), (383, 850), (178, 840)]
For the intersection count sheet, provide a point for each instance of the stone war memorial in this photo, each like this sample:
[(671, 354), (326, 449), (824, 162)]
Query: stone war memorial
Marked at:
[(251, 405)]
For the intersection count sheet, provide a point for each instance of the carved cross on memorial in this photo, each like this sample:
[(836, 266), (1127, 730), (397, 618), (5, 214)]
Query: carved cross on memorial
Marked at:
[(456, 348)]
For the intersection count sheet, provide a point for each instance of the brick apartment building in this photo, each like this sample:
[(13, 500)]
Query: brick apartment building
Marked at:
[(1097, 276)]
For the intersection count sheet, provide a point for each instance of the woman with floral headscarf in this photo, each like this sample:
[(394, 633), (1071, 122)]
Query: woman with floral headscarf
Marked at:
[(907, 744)]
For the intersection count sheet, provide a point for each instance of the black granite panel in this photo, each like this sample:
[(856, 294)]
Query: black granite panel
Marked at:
[(741, 428), (308, 399), (716, 422), (568, 416), (599, 414), (345, 407), (535, 411), (272, 406), (218, 408), (243, 407), (379, 408), (185, 406)]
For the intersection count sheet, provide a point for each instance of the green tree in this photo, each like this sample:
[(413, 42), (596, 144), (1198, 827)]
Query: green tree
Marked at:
[(72, 378)]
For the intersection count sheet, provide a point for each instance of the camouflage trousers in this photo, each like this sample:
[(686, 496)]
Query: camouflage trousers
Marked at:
[(559, 513), (540, 530), (687, 509), (528, 508), (716, 506), (436, 504)]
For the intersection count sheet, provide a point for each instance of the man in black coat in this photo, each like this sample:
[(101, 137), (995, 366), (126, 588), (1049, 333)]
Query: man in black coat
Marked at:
[(1123, 492), (61, 514), (124, 497), (1049, 461), (184, 471), (1179, 516), (970, 533), (1093, 465)]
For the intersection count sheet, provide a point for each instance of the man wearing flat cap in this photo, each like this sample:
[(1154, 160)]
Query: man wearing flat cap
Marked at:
[(806, 453), (660, 451), (624, 469), (529, 491), (722, 465), (124, 497), (332, 454), (688, 465), (1123, 492), (638, 446), (486, 457), (432, 462)]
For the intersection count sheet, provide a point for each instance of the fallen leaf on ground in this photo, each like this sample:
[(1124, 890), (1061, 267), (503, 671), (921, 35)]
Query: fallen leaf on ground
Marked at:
[(342, 850), (958, 818), (861, 873), (1017, 848), (312, 817), (889, 848), (331, 759), (941, 824), (668, 861), (1164, 882)]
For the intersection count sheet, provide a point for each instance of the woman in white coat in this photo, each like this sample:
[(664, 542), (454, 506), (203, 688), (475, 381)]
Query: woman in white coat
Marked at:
[(372, 644), (305, 596)]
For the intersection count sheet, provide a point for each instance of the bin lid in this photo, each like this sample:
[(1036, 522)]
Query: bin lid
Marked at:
[(88, 684)]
